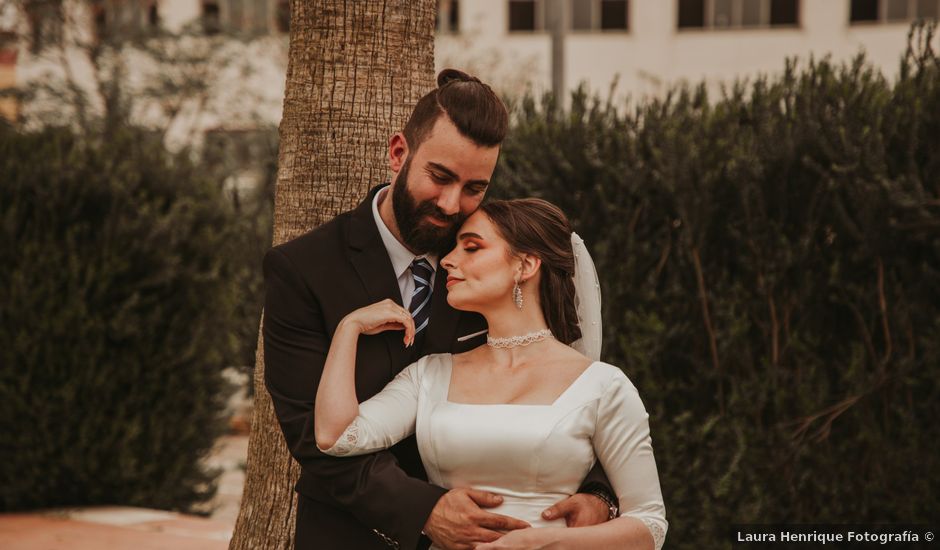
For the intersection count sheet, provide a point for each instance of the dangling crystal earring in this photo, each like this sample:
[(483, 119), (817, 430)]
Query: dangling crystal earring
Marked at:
[(517, 295)]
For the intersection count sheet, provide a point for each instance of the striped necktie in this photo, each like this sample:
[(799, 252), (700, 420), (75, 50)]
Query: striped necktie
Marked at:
[(420, 307)]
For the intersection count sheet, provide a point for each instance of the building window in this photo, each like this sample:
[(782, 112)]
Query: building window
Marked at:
[(893, 11), (211, 17), (153, 15), (448, 16), (614, 15), (256, 16), (691, 14), (864, 10), (282, 16), (117, 20), (526, 15), (245, 17), (738, 14), (45, 23), (606, 15)]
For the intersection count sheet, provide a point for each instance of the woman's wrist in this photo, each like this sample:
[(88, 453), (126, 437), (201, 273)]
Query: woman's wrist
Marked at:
[(558, 538), (349, 324)]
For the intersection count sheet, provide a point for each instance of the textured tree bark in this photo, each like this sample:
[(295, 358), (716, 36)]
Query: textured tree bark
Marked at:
[(354, 73)]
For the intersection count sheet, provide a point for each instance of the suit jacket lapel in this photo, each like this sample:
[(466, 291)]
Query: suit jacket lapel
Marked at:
[(370, 259)]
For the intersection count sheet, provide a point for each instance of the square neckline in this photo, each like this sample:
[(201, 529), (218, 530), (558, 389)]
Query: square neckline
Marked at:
[(450, 375)]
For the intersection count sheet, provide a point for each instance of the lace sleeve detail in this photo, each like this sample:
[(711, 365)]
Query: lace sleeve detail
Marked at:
[(385, 419), (347, 442), (659, 535)]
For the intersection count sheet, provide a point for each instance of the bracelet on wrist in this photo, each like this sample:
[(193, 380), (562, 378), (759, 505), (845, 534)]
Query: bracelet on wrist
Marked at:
[(613, 509)]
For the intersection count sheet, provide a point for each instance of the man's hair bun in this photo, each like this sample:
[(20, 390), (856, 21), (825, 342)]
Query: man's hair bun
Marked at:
[(453, 75), (468, 103)]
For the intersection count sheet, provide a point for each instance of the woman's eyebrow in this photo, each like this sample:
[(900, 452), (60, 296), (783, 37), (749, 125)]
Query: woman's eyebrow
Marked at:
[(463, 236)]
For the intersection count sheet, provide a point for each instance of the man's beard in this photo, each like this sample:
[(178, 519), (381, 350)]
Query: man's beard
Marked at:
[(420, 235)]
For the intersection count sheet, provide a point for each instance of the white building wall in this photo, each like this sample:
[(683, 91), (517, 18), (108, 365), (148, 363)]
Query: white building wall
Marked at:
[(654, 54), (647, 59), (246, 77)]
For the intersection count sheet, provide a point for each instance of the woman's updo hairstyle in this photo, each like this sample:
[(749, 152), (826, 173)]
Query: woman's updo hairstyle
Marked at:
[(539, 228)]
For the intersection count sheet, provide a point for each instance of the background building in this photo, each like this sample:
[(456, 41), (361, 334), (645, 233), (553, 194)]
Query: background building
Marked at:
[(214, 70), (649, 45)]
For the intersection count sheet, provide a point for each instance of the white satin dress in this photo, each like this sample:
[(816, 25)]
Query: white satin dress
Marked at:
[(532, 455)]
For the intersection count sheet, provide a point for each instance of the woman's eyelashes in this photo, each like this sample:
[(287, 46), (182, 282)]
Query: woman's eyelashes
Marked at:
[(470, 245)]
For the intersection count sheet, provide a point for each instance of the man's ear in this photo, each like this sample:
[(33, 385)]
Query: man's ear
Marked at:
[(530, 266), (397, 152)]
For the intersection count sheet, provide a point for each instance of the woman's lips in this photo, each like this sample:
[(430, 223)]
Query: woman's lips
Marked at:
[(452, 281)]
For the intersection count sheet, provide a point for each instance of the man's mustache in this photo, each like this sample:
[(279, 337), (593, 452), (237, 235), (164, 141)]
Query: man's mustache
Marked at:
[(430, 209)]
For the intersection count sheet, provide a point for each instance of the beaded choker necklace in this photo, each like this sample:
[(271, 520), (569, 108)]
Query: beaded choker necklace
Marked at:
[(516, 341)]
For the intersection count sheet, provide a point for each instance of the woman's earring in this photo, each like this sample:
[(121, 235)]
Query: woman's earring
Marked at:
[(517, 295)]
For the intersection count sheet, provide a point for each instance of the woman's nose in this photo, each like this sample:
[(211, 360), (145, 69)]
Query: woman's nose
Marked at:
[(448, 263)]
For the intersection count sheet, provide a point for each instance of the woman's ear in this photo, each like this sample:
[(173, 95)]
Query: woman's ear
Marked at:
[(529, 267)]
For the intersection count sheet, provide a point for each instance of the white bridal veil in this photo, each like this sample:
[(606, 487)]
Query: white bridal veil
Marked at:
[(587, 300)]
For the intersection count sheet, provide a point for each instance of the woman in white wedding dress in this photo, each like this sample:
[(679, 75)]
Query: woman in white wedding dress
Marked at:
[(524, 416)]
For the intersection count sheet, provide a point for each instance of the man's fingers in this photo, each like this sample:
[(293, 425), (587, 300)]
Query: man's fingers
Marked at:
[(500, 522), (559, 509), (484, 499), (578, 520)]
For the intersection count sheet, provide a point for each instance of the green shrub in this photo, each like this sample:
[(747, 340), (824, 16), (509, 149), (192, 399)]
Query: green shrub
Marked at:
[(118, 290), (770, 263)]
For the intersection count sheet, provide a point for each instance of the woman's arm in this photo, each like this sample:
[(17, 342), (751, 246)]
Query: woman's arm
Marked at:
[(336, 405), (623, 445)]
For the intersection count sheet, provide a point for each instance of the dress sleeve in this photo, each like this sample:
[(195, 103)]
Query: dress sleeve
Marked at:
[(623, 446), (385, 419)]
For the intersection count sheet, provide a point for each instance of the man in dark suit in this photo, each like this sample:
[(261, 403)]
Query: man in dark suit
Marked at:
[(388, 248)]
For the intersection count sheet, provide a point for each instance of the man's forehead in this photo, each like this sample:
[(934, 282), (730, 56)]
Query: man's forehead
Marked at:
[(445, 135)]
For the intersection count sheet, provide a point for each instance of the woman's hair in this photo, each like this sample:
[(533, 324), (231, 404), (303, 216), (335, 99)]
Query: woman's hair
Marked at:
[(539, 228)]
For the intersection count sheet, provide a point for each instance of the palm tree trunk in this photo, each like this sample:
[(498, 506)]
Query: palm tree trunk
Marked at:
[(354, 73)]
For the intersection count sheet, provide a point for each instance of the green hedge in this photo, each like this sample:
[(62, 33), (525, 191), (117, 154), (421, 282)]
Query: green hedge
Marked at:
[(119, 285), (770, 262)]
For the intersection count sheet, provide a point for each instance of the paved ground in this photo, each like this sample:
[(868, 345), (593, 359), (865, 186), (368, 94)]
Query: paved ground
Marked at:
[(125, 528), (111, 528)]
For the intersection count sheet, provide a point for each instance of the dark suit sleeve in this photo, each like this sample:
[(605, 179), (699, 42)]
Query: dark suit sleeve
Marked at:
[(596, 480), (373, 488)]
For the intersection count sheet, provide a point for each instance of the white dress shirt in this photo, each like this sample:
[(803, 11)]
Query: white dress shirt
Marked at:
[(400, 255)]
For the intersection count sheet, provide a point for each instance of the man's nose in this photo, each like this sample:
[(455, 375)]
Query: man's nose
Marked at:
[(449, 200)]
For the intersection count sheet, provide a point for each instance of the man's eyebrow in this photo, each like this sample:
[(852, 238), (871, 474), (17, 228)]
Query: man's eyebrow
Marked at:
[(441, 168), (463, 236), (453, 175)]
